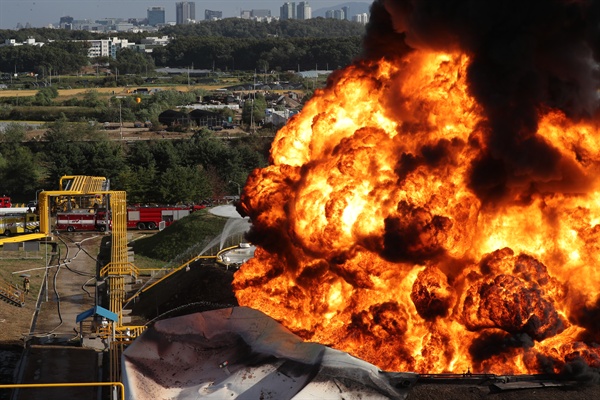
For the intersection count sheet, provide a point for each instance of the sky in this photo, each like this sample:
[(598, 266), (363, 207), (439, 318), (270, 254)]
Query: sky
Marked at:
[(40, 13)]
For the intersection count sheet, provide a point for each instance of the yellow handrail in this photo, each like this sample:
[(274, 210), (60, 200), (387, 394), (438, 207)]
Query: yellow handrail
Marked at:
[(50, 385), (170, 273), (12, 292)]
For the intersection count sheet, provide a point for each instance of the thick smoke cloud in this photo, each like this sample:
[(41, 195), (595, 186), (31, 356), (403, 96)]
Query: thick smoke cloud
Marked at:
[(526, 57)]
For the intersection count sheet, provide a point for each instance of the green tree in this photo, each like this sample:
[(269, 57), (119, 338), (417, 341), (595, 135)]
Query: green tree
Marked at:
[(91, 98), (20, 171), (13, 134), (183, 184), (79, 149), (20, 174), (45, 96), (140, 184), (254, 110), (132, 62)]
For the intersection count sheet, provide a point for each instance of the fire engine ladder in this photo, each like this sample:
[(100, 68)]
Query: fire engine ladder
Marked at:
[(11, 294)]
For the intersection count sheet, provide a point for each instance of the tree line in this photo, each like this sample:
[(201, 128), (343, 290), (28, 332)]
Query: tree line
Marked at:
[(280, 54), (229, 44), (228, 27), (158, 171)]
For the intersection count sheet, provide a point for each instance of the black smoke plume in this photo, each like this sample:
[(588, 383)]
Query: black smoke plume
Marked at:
[(525, 57)]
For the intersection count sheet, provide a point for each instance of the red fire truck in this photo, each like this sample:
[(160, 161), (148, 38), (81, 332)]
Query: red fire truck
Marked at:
[(151, 217), (6, 206), (5, 202), (81, 220)]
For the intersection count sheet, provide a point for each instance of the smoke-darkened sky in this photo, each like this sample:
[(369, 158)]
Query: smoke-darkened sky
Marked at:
[(525, 56), (39, 13)]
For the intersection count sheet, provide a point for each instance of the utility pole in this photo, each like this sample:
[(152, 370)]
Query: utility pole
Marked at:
[(252, 107), (120, 121), (252, 115)]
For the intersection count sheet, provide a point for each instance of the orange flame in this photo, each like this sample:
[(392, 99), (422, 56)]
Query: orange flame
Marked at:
[(371, 241)]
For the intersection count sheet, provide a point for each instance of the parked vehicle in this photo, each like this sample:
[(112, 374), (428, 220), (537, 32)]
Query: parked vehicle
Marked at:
[(82, 220), (138, 217), (15, 223), (153, 217), (7, 207)]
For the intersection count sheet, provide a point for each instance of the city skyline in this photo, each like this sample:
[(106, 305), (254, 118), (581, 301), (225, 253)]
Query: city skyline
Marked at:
[(42, 13)]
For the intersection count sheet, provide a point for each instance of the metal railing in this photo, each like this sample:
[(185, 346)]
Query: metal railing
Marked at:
[(11, 293), (65, 385)]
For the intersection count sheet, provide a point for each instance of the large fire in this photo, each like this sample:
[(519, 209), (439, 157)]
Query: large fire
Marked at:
[(408, 221)]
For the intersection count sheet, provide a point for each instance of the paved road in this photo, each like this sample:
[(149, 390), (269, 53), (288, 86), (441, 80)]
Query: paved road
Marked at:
[(52, 355)]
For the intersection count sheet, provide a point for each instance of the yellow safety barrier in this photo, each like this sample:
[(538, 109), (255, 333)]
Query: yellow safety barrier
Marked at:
[(63, 385)]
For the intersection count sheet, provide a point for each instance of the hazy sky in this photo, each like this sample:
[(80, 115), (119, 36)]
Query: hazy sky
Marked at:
[(40, 13)]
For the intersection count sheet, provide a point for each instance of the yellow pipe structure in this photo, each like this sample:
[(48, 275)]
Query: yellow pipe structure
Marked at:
[(70, 185), (82, 183), (22, 238), (119, 261), (225, 250), (64, 385), (119, 266)]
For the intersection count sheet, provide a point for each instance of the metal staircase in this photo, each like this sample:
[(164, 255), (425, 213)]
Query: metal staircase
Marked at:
[(11, 294)]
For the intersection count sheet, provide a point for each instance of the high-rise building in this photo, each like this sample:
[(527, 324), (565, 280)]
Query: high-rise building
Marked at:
[(287, 11), (66, 20), (303, 11), (346, 16), (260, 13), (210, 15), (338, 14), (361, 18), (185, 12), (156, 16)]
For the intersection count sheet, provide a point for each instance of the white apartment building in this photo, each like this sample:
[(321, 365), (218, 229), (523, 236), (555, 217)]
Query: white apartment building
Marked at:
[(303, 11), (287, 11), (107, 47), (361, 18), (28, 42)]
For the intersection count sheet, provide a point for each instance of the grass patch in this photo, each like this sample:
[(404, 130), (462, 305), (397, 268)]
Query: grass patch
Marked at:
[(143, 262), (182, 240), (32, 263), (52, 113)]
